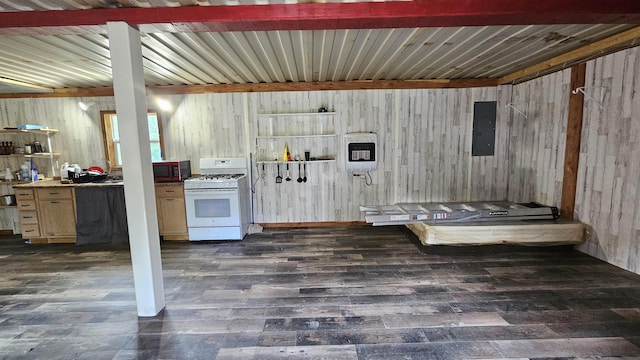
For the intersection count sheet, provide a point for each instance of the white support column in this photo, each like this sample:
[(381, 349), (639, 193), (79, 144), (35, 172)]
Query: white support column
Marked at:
[(131, 109)]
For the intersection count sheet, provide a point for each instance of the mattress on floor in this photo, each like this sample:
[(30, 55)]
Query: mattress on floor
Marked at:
[(531, 232)]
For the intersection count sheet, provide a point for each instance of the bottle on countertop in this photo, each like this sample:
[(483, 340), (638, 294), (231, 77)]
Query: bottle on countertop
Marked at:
[(25, 172), (64, 171), (8, 175)]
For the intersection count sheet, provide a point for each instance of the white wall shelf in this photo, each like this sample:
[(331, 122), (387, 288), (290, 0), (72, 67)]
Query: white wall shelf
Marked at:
[(295, 124), (312, 132), (20, 134), (330, 113), (294, 136), (41, 155), (28, 131), (295, 162)]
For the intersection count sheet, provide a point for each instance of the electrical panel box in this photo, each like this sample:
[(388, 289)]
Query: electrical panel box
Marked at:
[(362, 151)]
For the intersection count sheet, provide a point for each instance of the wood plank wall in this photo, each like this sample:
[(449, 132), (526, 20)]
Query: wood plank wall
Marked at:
[(424, 139), (435, 162), (608, 195), (79, 139), (537, 140)]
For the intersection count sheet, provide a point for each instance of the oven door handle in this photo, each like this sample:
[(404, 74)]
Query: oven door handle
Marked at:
[(210, 191)]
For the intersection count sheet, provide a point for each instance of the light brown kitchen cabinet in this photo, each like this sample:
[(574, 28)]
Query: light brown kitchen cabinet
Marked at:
[(172, 218), (57, 214), (48, 213), (27, 213)]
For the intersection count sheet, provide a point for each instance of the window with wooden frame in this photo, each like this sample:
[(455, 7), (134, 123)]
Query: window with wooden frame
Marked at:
[(111, 137)]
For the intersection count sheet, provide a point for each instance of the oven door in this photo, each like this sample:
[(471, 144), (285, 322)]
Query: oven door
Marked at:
[(212, 207)]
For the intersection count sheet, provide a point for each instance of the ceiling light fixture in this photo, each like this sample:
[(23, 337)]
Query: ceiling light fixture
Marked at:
[(85, 106), (164, 104)]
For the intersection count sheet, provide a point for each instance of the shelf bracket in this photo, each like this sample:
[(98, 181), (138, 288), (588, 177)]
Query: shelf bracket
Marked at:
[(512, 107), (602, 94)]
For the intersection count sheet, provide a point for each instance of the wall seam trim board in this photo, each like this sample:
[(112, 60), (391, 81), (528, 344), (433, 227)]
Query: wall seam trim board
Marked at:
[(396, 146), (247, 147)]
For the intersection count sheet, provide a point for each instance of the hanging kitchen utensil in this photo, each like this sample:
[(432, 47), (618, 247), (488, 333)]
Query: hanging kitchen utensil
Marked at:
[(299, 173), (304, 166), (278, 177), (288, 174), (263, 175)]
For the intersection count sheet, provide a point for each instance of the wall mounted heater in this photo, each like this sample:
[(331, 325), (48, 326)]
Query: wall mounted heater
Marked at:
[(361, 152)]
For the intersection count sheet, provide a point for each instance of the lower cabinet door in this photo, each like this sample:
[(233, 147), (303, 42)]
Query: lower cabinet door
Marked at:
[(59, 217), (171, 216)]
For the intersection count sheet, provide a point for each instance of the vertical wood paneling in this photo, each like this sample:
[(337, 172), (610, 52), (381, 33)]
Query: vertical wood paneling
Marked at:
[(536, 145), (79, 139), (435, 161), (204, 125), (434, 144), (330, 194), (609, 171), (80, 132), (487, 172)]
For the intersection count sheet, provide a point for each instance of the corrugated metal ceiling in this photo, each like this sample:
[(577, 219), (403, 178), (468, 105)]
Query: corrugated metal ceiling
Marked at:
[(284, 56), (174, 58)]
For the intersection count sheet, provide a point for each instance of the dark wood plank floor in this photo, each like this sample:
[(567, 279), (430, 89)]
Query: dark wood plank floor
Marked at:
[(332, 293)]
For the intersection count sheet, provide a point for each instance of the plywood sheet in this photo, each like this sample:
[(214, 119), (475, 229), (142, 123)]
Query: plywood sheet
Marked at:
[(543, 233)]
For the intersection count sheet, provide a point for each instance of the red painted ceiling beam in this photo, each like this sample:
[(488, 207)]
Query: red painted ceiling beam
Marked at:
[(311, 16)]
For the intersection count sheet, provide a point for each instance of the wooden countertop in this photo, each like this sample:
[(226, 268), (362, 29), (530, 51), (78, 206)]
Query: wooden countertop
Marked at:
[(57, 183)]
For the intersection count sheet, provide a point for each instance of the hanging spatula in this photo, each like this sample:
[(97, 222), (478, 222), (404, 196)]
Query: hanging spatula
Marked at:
[(304, 164), (278, 177)]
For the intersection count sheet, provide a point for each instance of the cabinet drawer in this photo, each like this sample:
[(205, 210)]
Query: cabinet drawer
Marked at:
[(30, 231), (170, 191), (24, 194), (28, 217), (55, 193), (26, 205)]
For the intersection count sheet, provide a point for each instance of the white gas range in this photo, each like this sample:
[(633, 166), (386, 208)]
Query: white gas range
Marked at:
[(218, 202)]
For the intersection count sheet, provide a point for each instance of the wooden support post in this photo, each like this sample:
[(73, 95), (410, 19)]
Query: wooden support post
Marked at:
[(572, 147)]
